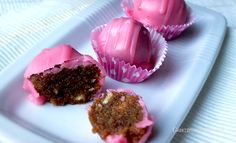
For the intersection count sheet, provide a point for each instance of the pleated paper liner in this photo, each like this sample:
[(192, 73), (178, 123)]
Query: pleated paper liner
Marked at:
[(123, 71)]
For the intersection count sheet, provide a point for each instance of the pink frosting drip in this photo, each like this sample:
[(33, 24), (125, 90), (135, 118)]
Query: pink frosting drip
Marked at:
[(146, 122), (116, 139), (159, 12), (48, 58), (128, 40)]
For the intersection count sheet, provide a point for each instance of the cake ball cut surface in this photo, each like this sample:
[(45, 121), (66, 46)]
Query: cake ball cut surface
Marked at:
[(62, 76), (120, 116), (69, 85)]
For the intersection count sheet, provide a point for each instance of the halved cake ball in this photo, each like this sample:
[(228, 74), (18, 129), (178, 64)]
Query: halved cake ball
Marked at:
[(120, 116), (61, 75)]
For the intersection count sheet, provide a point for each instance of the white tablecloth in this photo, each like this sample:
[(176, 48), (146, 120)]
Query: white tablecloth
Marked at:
[(213, 116)]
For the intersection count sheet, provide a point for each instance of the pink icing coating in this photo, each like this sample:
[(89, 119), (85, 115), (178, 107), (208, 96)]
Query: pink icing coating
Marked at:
[(146, 122), (123, 71), (48, 58), (159, 12), (128, 40), (116, 139)]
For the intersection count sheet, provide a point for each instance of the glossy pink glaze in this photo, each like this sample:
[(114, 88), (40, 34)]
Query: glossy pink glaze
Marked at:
[(128, 40), (159, 12), (116, 139), (146, 122), (47, 59), (125, 72)]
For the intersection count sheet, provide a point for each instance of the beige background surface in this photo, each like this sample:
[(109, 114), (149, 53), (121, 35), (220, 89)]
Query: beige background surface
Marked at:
[(213, 116)]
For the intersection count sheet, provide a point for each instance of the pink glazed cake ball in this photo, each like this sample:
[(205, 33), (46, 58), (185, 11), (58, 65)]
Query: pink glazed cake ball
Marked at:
[(128, 40), (127, 50), (61, 75), (120, 116), (160, 12), (169, 17)]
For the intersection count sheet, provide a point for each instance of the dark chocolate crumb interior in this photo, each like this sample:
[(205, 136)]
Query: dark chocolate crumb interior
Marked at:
[(69, 86), (117, 113)]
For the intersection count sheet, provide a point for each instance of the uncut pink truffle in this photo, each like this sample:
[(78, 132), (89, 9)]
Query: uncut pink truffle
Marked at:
[(127, 50), (45, 62), (128, 40), (159, 12)]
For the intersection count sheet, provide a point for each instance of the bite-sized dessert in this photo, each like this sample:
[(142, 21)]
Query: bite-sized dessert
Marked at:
[(120, 116), (127, 50), (61, 75), (170, 17), (160, 12), (128, 40)]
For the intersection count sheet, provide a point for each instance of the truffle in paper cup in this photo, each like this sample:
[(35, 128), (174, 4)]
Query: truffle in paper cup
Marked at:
[(170, 18), (119, 68)]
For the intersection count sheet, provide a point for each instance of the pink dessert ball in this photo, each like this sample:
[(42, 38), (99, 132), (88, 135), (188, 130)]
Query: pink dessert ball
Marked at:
[(128, 40), (160, 12)]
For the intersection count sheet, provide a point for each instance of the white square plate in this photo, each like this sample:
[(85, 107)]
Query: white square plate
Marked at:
[(169, 93)]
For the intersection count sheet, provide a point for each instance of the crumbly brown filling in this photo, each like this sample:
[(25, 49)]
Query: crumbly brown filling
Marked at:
[(117, 113), (69, 86)]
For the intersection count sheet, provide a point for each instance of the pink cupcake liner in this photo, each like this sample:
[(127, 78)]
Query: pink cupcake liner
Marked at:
[(169, 32), (125, 72)]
